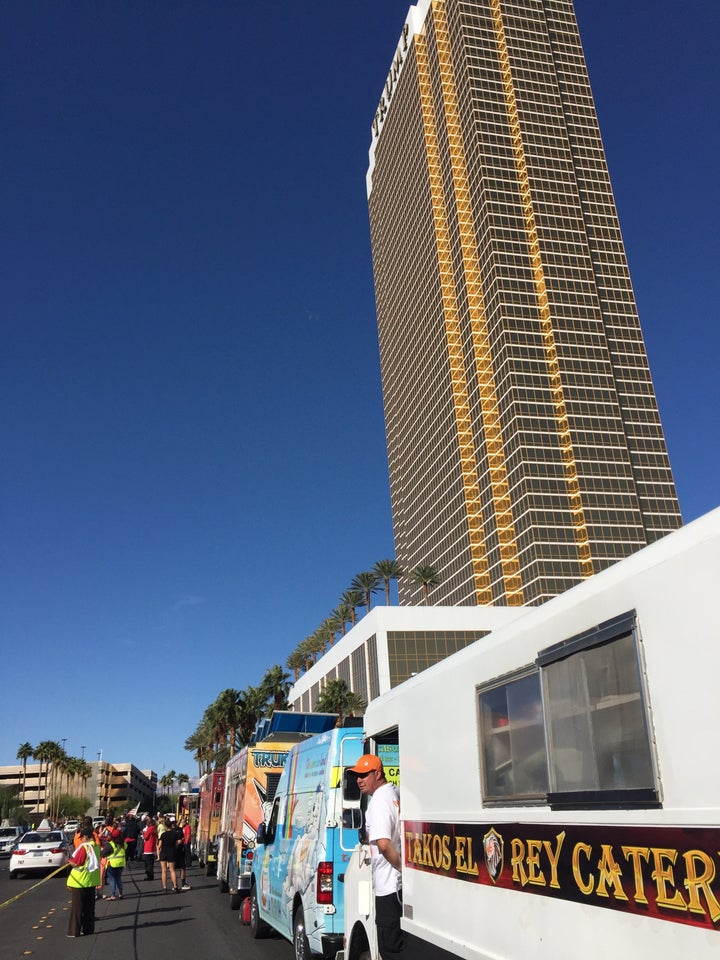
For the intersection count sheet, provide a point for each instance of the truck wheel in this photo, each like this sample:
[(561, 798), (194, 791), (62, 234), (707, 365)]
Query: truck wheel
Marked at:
[(258, 927), (300, 940), (235, 900), (222, 884)]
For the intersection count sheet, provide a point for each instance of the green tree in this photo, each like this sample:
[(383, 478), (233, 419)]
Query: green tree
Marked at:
[(167, 780), (368, 583), (202, 749), (335, 697), (275, 686), (84, 772), (72, 808), (351, 599), (11, 807), (228, 708), (427, 576), (387, 570), (44, 752), (334, 624), (25, 751), (296, 662), (254, 703)]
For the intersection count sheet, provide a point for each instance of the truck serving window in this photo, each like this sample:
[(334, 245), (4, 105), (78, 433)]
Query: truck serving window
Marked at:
[(514, 760), (596, 719), (572, 730)]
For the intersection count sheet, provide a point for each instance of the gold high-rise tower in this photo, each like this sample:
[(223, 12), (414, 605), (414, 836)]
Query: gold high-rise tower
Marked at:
[(524, 441)]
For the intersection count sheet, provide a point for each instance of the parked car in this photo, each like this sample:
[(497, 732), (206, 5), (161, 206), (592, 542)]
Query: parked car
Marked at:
[(70, 828), (98, 822), (39, 850), (8, 837)]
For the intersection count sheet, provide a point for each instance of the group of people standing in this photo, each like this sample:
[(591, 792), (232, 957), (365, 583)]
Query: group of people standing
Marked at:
[(101, 855)]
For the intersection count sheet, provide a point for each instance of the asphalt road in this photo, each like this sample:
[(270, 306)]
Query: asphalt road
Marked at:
[(145, 925)]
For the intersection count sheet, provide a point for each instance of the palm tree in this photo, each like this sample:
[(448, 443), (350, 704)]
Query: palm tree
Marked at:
[(44, 753), (427, 576), (295, 662), (84, 772), (181, 779), (167, 780), (25, 751), (275, 686), (333, 623), (253, 704), (72, 770), (341, 615), (352, 599), (228, 710), (368, 583), (200, 743), (64, 765), (335, 697), (388, 570)]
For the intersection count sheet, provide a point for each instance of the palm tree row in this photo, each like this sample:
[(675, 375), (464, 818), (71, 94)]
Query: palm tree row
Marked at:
[(229, 722), (359, 594), (167, 780), (58, 764)]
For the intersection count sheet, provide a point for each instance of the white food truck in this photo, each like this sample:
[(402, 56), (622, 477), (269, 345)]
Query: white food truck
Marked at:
[(559, 783)]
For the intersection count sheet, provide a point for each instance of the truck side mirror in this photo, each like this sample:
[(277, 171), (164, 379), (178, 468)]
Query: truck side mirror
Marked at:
[(260, 836)]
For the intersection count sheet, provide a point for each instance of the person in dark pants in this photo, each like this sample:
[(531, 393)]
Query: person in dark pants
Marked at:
[(131, 832), (82, 881), (382, 823), (149, 839)]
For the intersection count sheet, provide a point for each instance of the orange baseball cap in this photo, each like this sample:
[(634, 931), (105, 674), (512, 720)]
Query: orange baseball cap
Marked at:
[(366, 763)]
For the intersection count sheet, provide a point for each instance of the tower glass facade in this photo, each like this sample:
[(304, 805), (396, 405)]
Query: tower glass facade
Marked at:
[(524, 441)]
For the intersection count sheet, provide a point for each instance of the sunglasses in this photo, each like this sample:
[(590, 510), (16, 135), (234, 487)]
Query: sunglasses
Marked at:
[(362, 776)]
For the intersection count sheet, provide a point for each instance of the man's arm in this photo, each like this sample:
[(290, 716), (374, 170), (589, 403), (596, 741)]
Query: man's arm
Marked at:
[(390, 853)]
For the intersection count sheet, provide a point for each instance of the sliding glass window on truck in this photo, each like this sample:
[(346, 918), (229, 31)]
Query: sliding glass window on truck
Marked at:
[(572, 729)]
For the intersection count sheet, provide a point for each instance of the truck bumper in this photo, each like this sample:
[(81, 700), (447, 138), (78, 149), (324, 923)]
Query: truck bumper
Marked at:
[(331, 944)]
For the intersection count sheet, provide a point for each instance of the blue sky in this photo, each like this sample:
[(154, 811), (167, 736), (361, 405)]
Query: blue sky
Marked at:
[(194, 460)]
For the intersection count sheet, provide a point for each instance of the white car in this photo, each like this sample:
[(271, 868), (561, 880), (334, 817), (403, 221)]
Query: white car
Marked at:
[(70, 828), (8, 837), (39, 850)]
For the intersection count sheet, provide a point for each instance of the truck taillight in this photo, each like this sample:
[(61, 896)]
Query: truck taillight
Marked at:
[(249, 855), (325, 882)]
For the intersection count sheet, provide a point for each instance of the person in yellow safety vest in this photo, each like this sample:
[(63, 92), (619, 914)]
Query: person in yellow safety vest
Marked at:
[(114, 852), (82, 880)]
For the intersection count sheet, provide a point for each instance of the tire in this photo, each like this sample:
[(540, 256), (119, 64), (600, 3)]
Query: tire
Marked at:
[(235, 900), (13, 874), (300, 940), (258, 927), (222, 884)]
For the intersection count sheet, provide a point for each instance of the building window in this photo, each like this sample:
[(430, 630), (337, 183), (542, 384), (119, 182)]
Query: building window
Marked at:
[(411, 651), (373, 672)]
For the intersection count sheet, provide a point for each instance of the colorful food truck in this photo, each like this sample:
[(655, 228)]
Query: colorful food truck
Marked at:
[(251, 779), (305, 844), (210, 789)]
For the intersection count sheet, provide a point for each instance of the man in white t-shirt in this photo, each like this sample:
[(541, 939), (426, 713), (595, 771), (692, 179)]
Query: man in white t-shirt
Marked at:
[(382, 825)]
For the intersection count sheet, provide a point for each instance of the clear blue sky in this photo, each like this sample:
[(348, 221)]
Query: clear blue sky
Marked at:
[(193, 449)]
